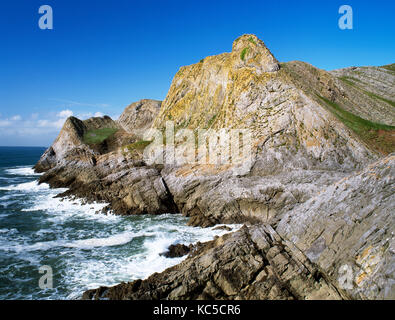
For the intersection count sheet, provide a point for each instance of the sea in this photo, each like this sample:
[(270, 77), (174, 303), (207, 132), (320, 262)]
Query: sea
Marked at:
[(70, 241)]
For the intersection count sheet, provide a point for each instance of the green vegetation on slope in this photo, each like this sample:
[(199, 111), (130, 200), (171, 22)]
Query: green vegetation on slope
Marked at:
[(97, 136), (349, 81), (138, 145), (378, 136), (243, 53), (251, 39), (373, 95)]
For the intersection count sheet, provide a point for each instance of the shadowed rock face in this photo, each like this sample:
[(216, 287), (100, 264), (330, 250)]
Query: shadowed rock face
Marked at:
[(314, 134)]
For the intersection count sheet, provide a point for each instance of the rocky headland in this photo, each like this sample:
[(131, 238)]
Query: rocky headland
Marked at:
[(316, 195)]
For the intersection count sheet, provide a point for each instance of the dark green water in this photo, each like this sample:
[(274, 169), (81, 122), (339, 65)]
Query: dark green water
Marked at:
[(84, 249)]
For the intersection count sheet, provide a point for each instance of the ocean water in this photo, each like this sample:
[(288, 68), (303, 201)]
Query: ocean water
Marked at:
[(85, 249)]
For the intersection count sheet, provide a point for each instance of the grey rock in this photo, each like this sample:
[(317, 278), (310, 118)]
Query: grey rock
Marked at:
[(347, 230)]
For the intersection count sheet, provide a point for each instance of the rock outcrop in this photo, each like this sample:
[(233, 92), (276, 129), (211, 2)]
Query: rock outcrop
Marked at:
[(324, 249), (299, 143), (109, 170), (252, 263), (348, 230), (308, 192)]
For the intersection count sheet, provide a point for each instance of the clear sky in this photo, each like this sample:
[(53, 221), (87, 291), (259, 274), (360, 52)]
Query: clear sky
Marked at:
[(103, 55)]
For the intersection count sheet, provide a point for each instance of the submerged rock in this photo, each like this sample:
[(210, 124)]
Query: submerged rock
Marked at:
[(176, 250), (226, 228)]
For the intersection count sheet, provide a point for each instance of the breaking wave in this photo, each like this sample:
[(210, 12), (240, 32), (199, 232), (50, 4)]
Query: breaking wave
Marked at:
[(85, 247)]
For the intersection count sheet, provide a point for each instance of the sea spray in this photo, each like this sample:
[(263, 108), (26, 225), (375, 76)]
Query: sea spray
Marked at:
[(85, 248)]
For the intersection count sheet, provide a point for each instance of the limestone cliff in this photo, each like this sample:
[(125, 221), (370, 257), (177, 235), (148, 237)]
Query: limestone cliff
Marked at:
[(70, 142), (308, 194)]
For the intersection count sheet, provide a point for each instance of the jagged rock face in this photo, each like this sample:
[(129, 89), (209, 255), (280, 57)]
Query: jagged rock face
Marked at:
[(306, 139), (207, 92), (288, 125), (348, 230), (139, 116), (252, 263), (250, 52), (370, 91), (69, 143), (355, 97), (106, 172), (302, 259), (129, 187), (212, 197), (295, 137)]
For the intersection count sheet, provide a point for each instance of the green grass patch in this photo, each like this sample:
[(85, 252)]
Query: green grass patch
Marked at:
[(138, 145), (97, 136), (349, 81), (353, 120), (370, 132), (373, 95), (251, 39), (244, 52)]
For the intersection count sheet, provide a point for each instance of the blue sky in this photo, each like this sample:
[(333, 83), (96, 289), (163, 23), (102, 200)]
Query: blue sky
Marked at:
[(103, 55)]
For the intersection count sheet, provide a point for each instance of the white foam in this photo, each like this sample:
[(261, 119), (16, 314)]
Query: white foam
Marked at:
[(8, 231), (6, 204), (22, 171), (115, 240), (62, 209), (89, 256), (141, 266), (32, 186)]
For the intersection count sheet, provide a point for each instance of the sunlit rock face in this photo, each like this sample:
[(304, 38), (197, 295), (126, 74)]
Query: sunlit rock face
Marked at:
[(306, 186)]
